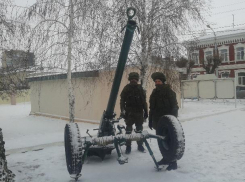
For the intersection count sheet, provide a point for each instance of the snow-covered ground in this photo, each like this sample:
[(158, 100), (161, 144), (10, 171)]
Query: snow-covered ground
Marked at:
[(215, 147)]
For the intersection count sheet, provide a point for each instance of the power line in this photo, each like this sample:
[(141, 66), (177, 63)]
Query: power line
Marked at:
[(232, 30), (223, 12), (201, 31), (19, 6), (229, 11), (228, 5)]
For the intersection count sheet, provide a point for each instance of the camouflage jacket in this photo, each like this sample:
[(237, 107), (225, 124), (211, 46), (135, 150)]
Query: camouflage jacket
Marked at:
[(133, 98), (162, 102)]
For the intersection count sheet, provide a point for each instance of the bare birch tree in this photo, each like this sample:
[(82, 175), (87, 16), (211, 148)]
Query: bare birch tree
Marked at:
[(160, 22), (12, 79), (6, 25), (63, 37)]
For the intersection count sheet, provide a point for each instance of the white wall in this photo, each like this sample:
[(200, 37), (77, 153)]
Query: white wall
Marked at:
[(50, 97), (208, 89)]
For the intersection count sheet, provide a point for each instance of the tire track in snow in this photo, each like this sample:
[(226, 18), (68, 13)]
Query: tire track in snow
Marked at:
[(33, 148)]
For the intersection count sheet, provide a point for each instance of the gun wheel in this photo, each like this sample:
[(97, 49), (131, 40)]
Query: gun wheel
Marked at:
[(173, 147), (73, 150)]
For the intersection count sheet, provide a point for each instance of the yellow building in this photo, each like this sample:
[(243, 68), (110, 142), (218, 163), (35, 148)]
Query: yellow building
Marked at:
[(49, 95)]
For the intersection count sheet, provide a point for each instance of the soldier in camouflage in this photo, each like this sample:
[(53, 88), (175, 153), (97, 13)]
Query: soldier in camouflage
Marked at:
[(162, 102), (133, 108)]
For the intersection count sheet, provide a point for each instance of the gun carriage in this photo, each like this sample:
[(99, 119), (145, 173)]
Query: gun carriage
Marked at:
[(78, 148)]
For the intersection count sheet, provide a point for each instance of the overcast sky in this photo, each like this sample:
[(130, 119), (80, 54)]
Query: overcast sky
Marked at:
[(221, 14), (220, 17), (24, 2)]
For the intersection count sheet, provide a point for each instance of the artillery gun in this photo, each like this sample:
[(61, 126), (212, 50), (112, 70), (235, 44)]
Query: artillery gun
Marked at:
[(77, 148)]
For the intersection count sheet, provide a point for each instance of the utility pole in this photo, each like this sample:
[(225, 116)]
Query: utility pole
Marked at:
[(233, 21), (215, 46), (215, 41)]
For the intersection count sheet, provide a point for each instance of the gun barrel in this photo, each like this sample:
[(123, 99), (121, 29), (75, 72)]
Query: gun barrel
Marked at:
[(106, 127), (130, 28)]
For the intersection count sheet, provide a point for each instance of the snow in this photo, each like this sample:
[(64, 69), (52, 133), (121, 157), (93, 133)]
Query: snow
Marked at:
[(225, 33), (177, 126), (214, 151), (180, 134), (75, 137)]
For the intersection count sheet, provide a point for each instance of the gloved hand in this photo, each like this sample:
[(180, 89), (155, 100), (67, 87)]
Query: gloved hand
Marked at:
[(150, 124), (145, 115), (122, 115)]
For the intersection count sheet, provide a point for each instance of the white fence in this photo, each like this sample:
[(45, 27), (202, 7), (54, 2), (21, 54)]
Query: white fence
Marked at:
[(208, 89)]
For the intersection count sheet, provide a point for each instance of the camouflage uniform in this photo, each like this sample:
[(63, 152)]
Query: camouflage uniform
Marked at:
[(133, 103), (162, 101)]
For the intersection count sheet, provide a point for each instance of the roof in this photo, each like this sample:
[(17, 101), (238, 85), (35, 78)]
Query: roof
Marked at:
[(223, 37), (59, 76), (225, 33)]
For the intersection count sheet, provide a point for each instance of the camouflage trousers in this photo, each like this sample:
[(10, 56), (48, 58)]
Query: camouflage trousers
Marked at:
[(131, 119)]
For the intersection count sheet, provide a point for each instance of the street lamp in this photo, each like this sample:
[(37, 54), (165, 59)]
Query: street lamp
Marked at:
[(215, 43)]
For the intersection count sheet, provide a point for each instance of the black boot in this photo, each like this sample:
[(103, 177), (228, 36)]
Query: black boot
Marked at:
[(128, 150), (172, 166), (162, 162), (141, 148)]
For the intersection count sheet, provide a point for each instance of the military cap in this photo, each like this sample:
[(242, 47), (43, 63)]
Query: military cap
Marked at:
[(133, 75), (158, 75)]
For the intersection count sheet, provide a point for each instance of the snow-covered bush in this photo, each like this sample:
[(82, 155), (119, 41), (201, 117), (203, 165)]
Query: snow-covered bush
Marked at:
[(5, 174)]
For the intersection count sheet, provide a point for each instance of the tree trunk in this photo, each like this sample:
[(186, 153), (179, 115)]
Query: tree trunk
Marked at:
[(144, 72), (69, 56)]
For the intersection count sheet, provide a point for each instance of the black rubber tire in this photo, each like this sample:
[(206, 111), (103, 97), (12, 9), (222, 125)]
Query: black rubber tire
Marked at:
[(174, 145), (73, 149)]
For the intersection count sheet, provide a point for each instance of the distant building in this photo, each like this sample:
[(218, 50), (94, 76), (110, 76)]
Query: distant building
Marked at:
[(91, 90), (231, 47), (17, 59), (16, 65)]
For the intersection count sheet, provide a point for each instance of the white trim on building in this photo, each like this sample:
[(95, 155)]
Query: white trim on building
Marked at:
[(232, 66), (222, 38)]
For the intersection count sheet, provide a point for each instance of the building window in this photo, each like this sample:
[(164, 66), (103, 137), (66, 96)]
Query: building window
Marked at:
[(194, 75), (224, 55), (241, 79), (225, 75), (195, 58), (240, 53), (208, 55)]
